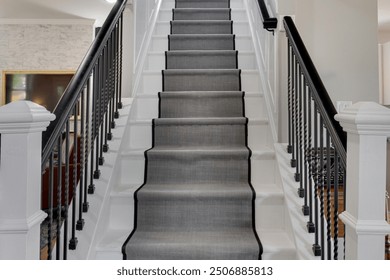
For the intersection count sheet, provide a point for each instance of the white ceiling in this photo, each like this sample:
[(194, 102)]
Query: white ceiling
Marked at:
[(55, 9), (99, 9)]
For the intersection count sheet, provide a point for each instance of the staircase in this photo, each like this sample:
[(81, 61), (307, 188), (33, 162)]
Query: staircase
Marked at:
[(272, 219)]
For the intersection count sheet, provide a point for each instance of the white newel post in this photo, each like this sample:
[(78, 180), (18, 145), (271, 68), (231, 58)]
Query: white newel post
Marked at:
[(368, 127), (21, 126)]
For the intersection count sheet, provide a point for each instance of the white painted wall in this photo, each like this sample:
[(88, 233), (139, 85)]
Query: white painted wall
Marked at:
[(143, 15), (144, 19), (46, 46), (341, 36), (385, 67), (383, 36), (342, 39)]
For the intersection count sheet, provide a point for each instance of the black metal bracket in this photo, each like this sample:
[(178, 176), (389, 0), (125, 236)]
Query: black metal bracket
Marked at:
[(269, 23)]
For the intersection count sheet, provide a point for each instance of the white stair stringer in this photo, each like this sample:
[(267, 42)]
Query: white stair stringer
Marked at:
[(96, 215), (298, 232), (271, 216)]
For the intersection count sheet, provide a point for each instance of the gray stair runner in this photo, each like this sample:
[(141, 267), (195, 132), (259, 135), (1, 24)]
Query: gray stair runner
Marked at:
[(197, 201), (201, 60), (202, 3), (201, 14), (201, 104), (201, 27), (201, 42)]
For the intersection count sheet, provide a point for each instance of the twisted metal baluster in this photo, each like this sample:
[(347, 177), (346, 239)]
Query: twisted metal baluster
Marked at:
[(289, 87), (310, 223), (336, 207), (329, 185)]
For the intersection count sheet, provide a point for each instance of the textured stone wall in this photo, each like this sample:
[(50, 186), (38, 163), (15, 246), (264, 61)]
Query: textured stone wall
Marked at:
[(43, 47)]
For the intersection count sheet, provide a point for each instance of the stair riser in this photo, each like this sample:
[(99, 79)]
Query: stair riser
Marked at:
[(234, 4), (121, 212), (160, 43), (201, 61), (239, 28), (187, 135), (269, 213), (205, 14), (263, 171), (236, 15), (140, 136), (132, 170), (255, 107), (258, 135), (146, 108), (152, 82), (201, 81), (156, 61), (206, 214), (196, 171), (202, 106), (201, 27)]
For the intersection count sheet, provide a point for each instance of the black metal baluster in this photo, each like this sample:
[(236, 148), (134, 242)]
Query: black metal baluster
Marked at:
[(115, 94), (96, 174), (316, 246), (81, 222), (101, 109), (59, 197), (336, 207), (106, 94), (293, 120), (112, 87), (120, 105), (321, 187), (50, 209), (311, 152), (296, 117), (305, 207), (73, 242), (344, 198), (91, 187), (298, 177), (289, 87), (87, 145), (66, 205), (328, 198)]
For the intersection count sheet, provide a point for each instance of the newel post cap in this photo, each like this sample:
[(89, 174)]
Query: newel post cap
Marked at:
[(24, 116), (365, 118)]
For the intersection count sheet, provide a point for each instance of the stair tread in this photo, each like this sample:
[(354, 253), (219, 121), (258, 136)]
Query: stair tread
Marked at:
[(199, 191), (201, 121), (272, 240), (262, 190), (275, 240), (265, 151), (200, 71)]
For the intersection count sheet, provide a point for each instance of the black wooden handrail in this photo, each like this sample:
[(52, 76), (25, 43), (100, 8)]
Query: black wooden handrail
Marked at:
[(317, 144), (74, 144), (320, 94), (269, 23), (72, 93)]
